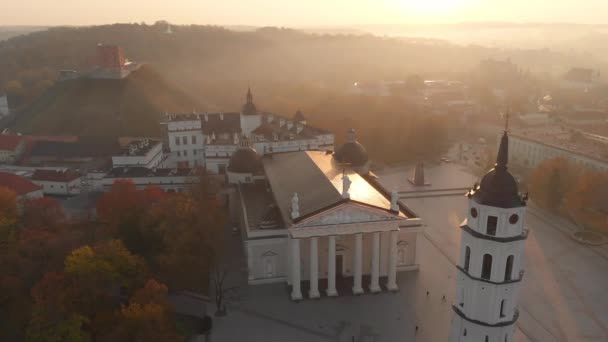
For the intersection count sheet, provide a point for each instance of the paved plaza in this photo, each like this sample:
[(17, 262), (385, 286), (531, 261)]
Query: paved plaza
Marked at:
[(562, 295)]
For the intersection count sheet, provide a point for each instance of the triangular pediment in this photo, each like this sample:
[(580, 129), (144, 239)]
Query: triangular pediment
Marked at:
[(347, 213)]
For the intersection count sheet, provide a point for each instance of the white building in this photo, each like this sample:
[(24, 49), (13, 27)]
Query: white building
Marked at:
[(57, 182), (209, 140), (310, 220), (141, 153), (491, 258), (531, 147)]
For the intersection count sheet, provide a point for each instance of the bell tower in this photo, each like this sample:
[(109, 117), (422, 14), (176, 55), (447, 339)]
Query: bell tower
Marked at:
[(490, 269)]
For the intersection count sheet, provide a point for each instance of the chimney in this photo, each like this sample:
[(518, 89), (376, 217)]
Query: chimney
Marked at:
[(418, 177), (235, 138), (299, 127), (281, 122), (289, 125), (394, 200), (206, 117), (212, 136), (295, 206), (221, 116), (346, 182)]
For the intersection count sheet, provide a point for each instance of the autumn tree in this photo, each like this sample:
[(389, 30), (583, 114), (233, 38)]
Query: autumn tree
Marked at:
[(587, 201), (194, 248), (550, 181), (148, 317), (90, 286), (42, 213)]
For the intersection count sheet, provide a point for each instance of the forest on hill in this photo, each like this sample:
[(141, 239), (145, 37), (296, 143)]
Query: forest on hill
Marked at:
[(131, 106)]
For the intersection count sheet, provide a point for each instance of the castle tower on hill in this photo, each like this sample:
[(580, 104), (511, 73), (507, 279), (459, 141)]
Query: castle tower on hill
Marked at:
[(490, 269)]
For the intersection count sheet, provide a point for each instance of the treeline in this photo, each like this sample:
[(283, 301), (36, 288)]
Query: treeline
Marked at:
[(572, 191), (109, 279)]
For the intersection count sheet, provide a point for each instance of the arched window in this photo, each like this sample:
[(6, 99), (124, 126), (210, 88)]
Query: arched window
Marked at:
[(506, 337), (487, 338), (502, 308), (509, 268), (467, 258), (464, 333), (486, 270)]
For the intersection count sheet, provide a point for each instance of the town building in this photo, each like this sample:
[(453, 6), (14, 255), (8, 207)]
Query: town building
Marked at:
[(169, 180), (146, 153), (581, 79), (320, 222), (61, 182), (110, 62), (208, 140), (490, 269), (22, 187), (11, 148), (529, 147)]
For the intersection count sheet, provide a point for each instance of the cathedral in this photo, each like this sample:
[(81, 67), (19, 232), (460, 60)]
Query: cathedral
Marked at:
[(320, 222)]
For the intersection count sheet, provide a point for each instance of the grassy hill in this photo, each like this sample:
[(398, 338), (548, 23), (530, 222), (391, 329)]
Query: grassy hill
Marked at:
[(127, 107)]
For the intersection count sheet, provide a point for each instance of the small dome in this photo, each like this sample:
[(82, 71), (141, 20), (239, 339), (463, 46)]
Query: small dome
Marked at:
[(351, 152), (245, 160), (498, 188)]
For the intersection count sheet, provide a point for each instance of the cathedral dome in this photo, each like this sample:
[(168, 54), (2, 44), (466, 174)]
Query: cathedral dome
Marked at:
[(245, 160), (498, 188), (351, 152)]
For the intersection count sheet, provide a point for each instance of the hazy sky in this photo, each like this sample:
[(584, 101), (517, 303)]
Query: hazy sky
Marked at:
[(298, 13)]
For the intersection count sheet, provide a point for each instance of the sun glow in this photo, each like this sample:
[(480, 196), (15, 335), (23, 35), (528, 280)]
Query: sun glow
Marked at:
[(435, 5)]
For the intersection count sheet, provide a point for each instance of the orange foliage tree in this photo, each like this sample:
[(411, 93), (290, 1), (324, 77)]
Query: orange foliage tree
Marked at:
[(551, 181), (587, 203), (42, 213)]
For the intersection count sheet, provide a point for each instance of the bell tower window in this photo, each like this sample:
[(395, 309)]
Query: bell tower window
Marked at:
[(467, 258), (509, 268), (486, 271), (492, 224)]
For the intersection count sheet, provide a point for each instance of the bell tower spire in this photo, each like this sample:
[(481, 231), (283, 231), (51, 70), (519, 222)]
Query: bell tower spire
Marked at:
[(490, 269)]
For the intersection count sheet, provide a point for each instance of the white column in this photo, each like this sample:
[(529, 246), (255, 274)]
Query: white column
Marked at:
[(375, 286), (392, 262), (331, 267), (357, 289), (314, 268), (296, 293)]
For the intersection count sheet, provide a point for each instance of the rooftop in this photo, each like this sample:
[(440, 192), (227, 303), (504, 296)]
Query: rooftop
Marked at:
[(262, 211), (18, 184), (10, 142), (64, 175), (565, 139), (317, 179), (139, 147), (138, 172)]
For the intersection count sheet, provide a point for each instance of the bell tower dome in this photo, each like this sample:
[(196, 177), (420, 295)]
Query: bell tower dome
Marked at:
[(490, 269)]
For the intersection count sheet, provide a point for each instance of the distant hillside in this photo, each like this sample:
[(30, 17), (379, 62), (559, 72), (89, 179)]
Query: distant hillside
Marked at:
[(193, 54), (127, 107), (7, 32)]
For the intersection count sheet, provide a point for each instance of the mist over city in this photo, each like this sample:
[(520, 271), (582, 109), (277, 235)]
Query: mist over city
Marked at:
[(351, 171)]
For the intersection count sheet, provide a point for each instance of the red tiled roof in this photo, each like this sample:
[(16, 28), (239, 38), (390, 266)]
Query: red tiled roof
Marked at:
[(18, 184), (54, 176), (10, 142)]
